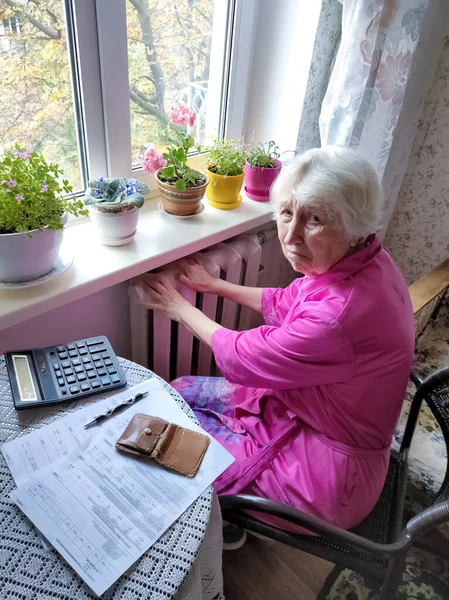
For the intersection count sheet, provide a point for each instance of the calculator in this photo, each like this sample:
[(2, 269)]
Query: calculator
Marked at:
[(43, 376)]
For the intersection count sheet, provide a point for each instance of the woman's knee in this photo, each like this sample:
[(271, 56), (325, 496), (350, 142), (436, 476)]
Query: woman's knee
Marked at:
[(182, 382)]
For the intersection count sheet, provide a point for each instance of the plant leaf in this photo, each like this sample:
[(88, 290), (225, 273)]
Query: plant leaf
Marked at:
[(180, 155), (136, 199), (168, 172), (143, 188), (180, 185)]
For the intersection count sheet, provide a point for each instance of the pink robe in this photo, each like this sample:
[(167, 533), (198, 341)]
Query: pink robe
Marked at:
[(319, 388)]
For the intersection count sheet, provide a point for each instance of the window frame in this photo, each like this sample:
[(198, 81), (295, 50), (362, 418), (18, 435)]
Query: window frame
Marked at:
[(99, 71), (105, 82), (90, 90), (242, 28)]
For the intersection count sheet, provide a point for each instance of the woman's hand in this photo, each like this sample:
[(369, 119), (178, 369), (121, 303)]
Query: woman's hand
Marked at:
[(154, 292), (157, 294), (195, 276)]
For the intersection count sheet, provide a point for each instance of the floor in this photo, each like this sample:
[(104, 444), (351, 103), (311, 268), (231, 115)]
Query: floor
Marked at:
[(266, 570)]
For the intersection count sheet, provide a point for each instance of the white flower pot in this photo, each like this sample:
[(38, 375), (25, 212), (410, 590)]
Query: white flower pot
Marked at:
[(116, 223), (24, 258)]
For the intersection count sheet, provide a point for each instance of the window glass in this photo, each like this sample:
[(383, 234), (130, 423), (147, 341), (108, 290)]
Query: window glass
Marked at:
[(172, 60), (36, 93)]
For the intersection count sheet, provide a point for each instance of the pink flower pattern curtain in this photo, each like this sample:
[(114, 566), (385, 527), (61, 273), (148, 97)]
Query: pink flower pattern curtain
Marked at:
[(382, 72)]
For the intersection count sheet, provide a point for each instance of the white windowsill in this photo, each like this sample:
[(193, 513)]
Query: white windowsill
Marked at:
[(159, 240)]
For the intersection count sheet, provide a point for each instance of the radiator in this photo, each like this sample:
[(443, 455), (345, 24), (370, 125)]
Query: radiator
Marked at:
[(169, 349)]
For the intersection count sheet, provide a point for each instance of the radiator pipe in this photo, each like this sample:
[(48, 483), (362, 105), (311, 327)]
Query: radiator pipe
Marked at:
[(266, 235)]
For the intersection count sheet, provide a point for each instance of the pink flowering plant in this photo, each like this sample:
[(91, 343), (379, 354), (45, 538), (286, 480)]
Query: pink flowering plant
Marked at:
[(171, 165), (32, 195)]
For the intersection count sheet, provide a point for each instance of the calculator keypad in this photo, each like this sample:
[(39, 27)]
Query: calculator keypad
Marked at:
[(84, 366)]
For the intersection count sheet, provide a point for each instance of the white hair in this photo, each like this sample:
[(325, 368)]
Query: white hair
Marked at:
[(337, 181)]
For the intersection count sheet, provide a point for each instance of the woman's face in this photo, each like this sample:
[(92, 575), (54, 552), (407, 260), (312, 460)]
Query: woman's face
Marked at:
[(310, 242)]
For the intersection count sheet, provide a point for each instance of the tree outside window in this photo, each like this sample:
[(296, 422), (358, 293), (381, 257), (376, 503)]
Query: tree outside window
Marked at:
[(169, 45)]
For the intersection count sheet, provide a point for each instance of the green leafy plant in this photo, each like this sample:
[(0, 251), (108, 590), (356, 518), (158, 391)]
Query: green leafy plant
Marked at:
[(116, 191), (226, 157), (264, 155), (172, 164), (31, 193), (177, 171)]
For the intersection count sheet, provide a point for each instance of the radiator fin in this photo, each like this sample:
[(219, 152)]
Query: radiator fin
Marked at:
[(237, 261)]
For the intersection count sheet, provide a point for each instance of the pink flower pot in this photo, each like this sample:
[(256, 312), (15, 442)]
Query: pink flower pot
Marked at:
[(258, 181)]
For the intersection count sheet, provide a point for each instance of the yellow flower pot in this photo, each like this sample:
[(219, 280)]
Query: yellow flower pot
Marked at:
[(224, 192)]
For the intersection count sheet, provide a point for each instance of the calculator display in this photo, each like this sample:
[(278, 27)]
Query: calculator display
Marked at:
[(25, 383)]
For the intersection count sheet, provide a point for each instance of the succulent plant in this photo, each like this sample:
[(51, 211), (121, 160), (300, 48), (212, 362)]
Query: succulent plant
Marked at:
[(116, 191)]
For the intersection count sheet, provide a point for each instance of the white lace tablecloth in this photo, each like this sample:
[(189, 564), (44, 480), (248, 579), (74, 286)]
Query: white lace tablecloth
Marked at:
[(184, 564)]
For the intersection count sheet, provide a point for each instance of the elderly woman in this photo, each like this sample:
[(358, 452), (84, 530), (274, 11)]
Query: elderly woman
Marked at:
[(308, 403)]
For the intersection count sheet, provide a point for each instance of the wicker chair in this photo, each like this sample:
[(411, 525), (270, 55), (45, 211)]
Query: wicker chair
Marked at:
[(377, 547)]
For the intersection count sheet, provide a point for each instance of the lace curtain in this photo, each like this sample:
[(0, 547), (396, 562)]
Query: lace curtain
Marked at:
[(382, 71)]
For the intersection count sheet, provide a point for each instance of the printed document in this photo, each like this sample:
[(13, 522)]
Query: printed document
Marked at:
[(99, 508)]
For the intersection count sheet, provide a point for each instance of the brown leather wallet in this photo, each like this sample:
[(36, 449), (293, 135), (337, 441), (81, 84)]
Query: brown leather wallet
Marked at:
[(170, 445)]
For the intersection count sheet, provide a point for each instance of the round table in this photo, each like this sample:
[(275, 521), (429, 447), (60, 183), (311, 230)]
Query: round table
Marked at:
[(185, 563)]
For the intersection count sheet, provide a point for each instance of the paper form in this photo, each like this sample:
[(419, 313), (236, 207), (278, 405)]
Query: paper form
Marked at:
[(102, 509), (33, 451)]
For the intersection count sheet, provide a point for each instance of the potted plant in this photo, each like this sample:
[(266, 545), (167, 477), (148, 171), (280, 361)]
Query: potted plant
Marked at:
[(261, 169), (226, 162), (115, 207), (181, 187), (33, 212)]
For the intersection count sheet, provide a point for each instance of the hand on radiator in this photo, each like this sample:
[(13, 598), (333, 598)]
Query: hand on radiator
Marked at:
[(156, 294), (195, 276)]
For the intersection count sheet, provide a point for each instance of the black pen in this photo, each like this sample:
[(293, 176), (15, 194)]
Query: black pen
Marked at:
[(116, 408)]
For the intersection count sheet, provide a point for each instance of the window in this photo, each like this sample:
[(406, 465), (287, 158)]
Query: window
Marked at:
[(10, 26), (170, 45), (36, 99), (90, 82)]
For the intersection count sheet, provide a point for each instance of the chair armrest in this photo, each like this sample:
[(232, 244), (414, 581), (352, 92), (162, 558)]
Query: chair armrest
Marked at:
[(429, 519), (415, 378), (297, 517)]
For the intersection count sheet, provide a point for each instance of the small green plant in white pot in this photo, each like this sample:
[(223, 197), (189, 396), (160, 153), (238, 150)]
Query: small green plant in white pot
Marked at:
[(34, 203), (114, 205)]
